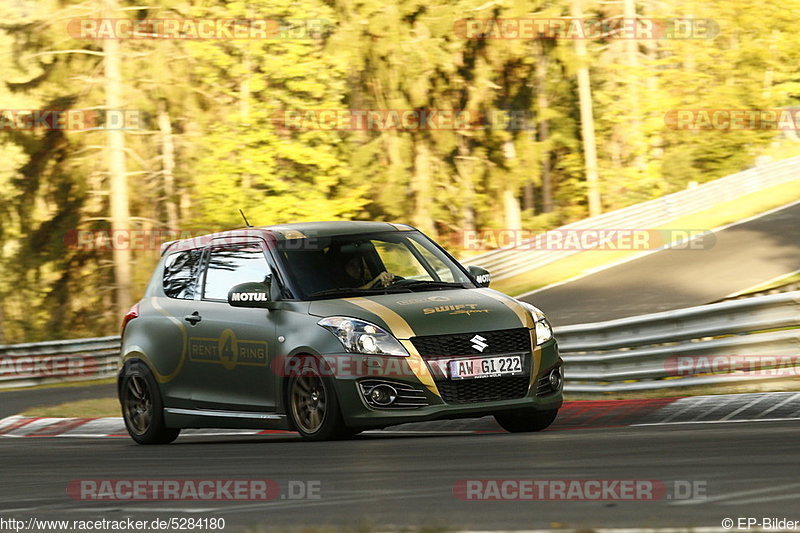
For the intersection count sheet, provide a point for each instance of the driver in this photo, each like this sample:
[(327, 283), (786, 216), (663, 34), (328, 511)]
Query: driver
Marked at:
[(356, 270)]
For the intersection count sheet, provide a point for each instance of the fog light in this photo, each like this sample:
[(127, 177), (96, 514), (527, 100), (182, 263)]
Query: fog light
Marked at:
[(555, 379), (383, 395)]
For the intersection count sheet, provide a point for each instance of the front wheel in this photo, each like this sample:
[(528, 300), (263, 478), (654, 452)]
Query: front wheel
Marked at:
[(526, 421), (313, 405), (142, 407)]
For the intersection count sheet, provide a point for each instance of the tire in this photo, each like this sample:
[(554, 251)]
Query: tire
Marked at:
[(526, 421), (142, 406), (312, 405)]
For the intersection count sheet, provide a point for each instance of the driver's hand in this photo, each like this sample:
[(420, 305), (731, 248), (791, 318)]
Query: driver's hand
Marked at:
[(385, 278)]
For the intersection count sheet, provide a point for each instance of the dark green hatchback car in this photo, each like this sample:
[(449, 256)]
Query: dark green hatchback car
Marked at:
[(329, 329)]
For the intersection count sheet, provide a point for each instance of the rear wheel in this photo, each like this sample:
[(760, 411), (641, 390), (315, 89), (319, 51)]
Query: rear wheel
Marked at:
[(142, 407), (312, 404), (526, 421)]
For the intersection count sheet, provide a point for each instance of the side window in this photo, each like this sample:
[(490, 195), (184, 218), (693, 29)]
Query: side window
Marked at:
[(180, 273), (232, 265)]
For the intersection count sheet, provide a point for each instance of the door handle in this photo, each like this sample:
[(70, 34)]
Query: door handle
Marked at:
[(194, 318)]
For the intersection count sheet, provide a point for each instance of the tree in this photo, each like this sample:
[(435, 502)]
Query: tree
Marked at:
[(587, 118)]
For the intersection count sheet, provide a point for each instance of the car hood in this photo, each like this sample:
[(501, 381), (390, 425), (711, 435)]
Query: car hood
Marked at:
[(442, 312)]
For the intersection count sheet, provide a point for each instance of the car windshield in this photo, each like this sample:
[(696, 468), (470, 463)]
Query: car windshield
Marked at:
[(353, 265)]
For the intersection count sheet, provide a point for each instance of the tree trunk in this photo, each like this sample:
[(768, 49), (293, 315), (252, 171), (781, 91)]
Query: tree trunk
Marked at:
[(244, 87), (244, 107), (512, 216), (168, 165), (2, 324), (465, 165), (529, 197), (635, 136), (769, 72), (421, 187), (118, 177), (655, 149), (587, 119), (542, 104), (511, 212)]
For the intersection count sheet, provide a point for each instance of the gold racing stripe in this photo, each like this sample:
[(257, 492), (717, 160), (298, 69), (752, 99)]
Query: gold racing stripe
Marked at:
[(523, 314), (402, 330), (537, 361), (527, 321)]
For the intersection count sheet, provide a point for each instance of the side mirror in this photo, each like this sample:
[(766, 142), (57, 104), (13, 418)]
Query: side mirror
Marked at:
[(481, 275), (251, 294)]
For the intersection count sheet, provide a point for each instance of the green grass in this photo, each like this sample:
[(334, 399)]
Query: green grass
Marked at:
[(584, 262), (94, 408), (62, 385), (773, 284)]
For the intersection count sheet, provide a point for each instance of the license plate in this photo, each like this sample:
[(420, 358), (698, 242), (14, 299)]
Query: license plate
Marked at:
[(486, 367)]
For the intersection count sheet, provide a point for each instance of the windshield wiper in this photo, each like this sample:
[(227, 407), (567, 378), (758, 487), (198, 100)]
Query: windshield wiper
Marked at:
[(429, 284), (355, 290), (338, 290)]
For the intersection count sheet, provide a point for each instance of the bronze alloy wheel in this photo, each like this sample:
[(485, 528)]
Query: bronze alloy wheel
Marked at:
[(138, 404), (309, 401)]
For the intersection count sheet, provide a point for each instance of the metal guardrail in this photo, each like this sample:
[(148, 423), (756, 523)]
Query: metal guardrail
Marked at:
[(39, 363), (755, 338), (638, 353), (513, 260)]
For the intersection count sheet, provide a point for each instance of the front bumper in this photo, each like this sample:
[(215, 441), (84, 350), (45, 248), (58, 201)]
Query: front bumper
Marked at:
[(358, 414)]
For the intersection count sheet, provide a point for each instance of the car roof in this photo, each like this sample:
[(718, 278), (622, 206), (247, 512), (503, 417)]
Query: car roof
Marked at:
[(297, 230)]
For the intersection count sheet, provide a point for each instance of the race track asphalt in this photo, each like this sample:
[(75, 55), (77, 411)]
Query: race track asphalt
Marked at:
[(388, 482), (730, 260)]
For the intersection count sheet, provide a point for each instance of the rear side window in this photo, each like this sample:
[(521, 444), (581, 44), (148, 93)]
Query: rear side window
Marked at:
[(230, 266), (180, 273)]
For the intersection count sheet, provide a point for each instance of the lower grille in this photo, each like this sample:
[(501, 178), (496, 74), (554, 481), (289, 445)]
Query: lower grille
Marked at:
[(543, 385), (483, 390), (408, 396)]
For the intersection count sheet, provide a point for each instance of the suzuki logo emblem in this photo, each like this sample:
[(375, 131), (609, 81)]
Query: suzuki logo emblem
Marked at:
[(479, 343)]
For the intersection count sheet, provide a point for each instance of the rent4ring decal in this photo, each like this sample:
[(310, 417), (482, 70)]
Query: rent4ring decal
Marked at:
[(228, 351)]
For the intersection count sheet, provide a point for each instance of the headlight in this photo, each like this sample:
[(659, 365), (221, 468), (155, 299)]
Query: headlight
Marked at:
[(544, 332), (360, 336)]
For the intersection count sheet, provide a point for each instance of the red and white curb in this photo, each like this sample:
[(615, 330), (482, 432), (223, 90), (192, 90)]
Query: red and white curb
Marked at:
[(573, 415), (22, 426)]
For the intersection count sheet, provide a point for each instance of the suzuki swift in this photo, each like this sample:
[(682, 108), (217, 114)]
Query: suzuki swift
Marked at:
[(328, 329)]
